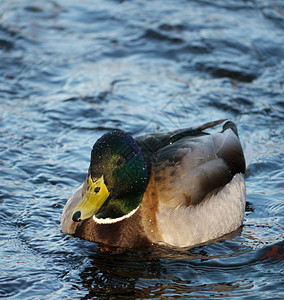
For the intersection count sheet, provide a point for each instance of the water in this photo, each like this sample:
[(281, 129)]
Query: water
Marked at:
[(70, 71)]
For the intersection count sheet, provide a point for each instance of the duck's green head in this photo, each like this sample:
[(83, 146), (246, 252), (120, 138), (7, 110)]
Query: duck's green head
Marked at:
[(116, 181)]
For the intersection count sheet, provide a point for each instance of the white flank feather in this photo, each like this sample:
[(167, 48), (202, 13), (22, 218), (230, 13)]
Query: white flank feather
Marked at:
[(220, 214)]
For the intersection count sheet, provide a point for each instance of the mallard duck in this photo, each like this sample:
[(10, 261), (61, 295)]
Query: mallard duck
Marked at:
[(180, 188)]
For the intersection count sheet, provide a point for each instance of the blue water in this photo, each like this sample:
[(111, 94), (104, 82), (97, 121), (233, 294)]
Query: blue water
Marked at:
[(72, 70)]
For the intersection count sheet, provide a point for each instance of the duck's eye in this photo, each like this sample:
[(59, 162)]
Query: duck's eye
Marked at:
[(120, 161), (97, 189)]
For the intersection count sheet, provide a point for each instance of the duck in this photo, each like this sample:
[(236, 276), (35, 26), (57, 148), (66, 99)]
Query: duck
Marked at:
[(179, 188)]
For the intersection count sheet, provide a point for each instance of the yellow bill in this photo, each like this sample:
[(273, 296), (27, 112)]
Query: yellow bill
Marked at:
[(95, 196)]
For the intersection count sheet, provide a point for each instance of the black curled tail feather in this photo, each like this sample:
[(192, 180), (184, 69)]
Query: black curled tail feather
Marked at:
[(233, 153), (231, 125)]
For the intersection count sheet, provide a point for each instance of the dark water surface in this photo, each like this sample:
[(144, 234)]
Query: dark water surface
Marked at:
[(71, 70)]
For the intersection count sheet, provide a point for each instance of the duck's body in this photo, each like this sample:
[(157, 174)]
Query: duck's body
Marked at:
[(194, 192)]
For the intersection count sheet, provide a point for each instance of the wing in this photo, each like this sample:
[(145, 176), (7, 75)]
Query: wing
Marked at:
[(150, 144), (194, 166)]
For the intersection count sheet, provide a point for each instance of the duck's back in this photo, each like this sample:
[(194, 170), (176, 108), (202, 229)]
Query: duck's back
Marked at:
[(198, 182)]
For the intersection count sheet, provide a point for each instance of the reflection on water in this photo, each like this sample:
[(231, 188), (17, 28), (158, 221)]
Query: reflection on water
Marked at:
[(71, 71), (188, 273)]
